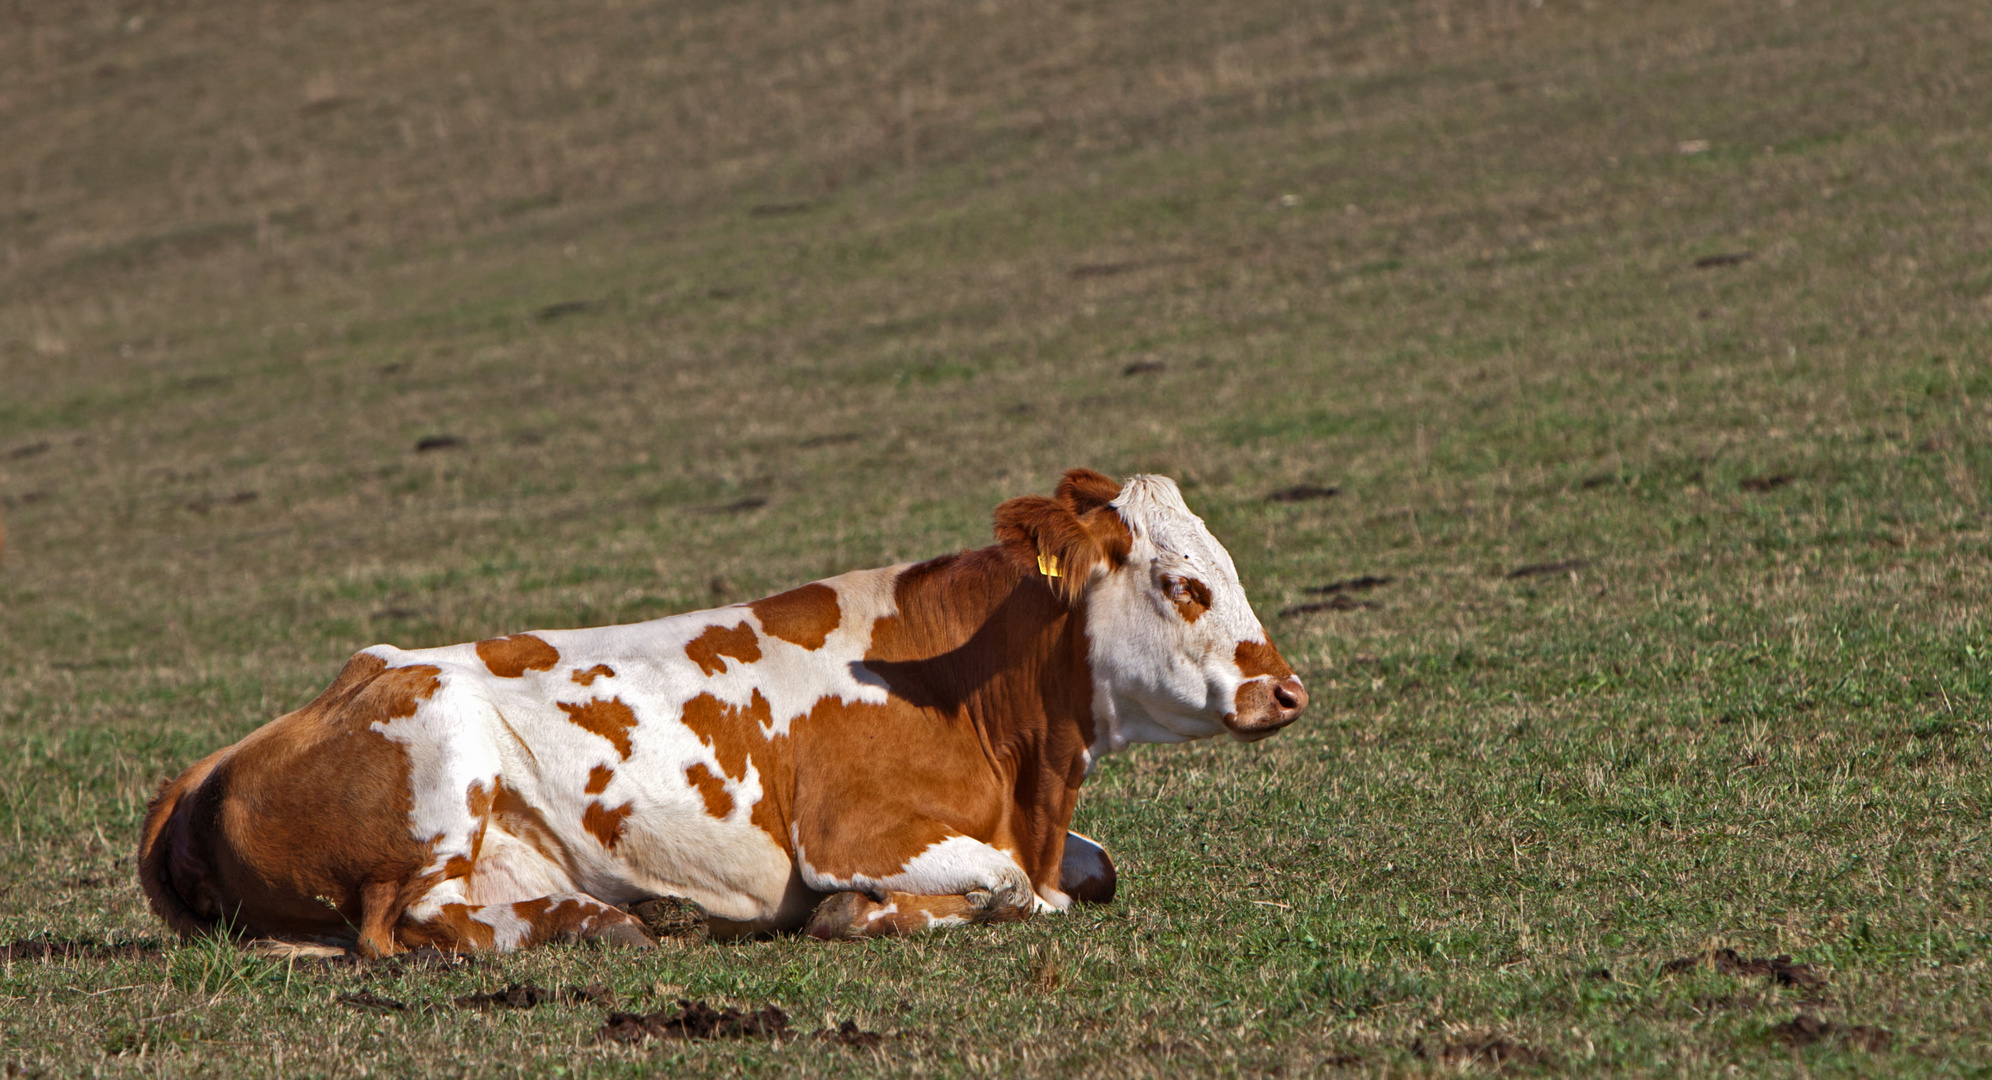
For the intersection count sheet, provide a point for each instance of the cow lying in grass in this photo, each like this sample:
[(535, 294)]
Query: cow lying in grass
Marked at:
[(878, 752)]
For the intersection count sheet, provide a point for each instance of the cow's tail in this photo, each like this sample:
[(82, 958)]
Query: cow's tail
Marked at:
[(173, 852)]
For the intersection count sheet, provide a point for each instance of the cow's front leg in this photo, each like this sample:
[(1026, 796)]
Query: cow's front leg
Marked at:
[(850, 916), (955, 882)]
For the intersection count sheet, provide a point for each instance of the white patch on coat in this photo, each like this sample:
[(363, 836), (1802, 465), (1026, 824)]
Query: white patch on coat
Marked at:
[(950, 867)]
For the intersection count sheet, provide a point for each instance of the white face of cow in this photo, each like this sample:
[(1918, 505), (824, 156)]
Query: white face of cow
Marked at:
[(1176, 651)]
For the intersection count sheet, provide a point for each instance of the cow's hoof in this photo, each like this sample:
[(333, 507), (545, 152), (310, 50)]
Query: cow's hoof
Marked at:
[(839, 917), (622, 935), (669, 918)]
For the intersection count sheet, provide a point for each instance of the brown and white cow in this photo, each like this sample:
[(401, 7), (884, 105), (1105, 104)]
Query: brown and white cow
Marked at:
[(877, 752)]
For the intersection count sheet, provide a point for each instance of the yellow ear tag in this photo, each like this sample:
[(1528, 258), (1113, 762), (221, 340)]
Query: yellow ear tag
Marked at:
[(1047, 564)]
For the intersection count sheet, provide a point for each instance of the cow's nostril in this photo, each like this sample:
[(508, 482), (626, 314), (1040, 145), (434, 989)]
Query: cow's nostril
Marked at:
[(1290, 694)]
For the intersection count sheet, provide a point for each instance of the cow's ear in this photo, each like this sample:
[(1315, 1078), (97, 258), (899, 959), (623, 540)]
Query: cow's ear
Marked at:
[(1044, 537), (1083, 490)]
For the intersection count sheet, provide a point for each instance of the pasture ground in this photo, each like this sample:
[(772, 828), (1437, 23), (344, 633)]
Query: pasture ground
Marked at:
[(698, 301)]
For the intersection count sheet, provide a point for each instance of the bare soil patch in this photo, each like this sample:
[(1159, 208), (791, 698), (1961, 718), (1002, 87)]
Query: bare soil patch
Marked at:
[(1303, 493), (1092, 270), (1336, 603), (77, 948), (367, 999), (849, 1034), (1548, 569), (1806, 1029), (1348, 585), (563, 309), (1780, 969), (694, 1020), (1497, 1050)]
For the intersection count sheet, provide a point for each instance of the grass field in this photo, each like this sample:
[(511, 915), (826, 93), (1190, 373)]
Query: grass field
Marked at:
[(1686, 305)]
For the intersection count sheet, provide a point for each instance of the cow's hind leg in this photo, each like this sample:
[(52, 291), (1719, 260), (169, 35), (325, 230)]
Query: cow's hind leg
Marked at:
[(443, 920)]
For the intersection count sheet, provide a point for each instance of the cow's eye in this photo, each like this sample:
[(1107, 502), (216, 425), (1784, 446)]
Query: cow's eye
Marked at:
[(1191, 597)]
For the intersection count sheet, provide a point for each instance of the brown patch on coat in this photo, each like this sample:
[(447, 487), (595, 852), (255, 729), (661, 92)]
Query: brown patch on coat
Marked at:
[(512, 812), (1256, 658), (803, 616), (450, 929), (739, 642), (477, 799), (739, 735), (588, 677), (609, 718), (711, 788), (301, 829), (1191, 597), (598, 780), (606, 824), (511, 657)]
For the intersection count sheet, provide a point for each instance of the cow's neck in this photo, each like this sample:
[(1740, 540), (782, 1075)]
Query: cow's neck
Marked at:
[(975, 636)]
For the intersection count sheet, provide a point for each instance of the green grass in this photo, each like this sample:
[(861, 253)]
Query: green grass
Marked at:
[(884, 266)]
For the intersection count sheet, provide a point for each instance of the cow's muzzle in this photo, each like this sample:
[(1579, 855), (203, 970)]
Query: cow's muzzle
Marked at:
[(1266, 705)]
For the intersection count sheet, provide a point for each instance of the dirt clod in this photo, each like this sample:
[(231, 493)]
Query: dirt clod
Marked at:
[(1779, 969), (1495, 1050), (1767, 483), (437, 442), (1548, 569), (367, 999), (848, 1034), (561, 310), (1303, 493), (1874, 1040), (514, 996), (694, 1020), (1806, 1029), (80, 948), (1349, 585)]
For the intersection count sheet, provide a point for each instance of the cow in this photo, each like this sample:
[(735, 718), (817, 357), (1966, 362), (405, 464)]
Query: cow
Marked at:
[(874, 753)]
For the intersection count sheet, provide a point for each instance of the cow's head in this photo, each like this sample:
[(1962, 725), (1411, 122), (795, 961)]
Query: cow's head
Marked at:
[(1176, 651)]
